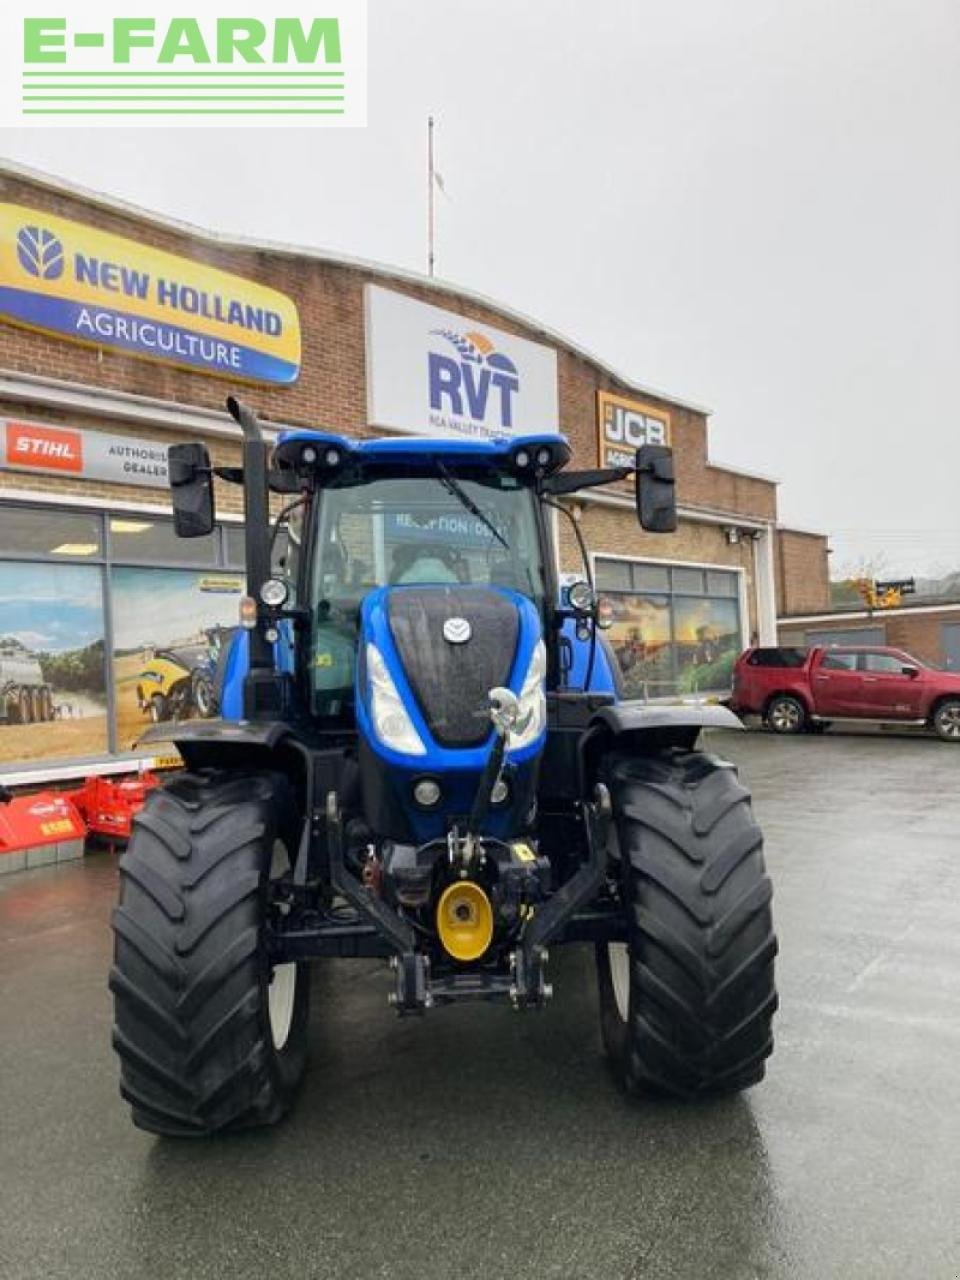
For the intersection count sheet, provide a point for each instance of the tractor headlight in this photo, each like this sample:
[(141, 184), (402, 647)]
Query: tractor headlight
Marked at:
[(391, 720), (427, 792), (274, 593), (533, 701)]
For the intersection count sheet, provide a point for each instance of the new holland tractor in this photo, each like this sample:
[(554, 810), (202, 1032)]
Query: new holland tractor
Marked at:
[(423, 755)]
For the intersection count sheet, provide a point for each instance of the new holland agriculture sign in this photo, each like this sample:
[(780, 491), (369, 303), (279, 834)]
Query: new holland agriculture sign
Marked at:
[(89, 286), (109, 62), (434, 372)]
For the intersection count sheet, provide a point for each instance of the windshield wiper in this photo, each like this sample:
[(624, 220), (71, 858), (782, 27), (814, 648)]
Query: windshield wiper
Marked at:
[(453, 486)]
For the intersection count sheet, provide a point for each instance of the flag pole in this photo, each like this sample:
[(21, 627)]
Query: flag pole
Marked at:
[(430, 208)]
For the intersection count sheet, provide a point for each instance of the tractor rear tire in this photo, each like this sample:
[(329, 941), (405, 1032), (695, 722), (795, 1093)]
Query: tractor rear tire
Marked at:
[(210, 1036), (687, 1003)]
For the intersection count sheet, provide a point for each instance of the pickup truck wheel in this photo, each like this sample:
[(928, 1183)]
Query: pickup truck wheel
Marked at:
[(686, 1004), (211, 1034), (946, 720), (786, 714)]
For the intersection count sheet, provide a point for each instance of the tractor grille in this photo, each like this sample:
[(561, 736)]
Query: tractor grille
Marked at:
[(451, 681)]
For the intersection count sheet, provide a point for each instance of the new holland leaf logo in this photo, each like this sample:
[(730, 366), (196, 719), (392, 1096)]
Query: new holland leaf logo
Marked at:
[(40, 253)]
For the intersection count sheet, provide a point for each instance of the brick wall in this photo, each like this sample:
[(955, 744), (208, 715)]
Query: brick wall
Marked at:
[(920, 634), (801, 568), (331, 387)]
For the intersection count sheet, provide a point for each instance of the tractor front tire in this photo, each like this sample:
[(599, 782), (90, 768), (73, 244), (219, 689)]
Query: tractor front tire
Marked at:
[(210, 1035), (686, 1004)]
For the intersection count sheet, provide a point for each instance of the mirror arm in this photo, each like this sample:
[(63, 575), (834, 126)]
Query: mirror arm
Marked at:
[(571, 481), (233, 475)]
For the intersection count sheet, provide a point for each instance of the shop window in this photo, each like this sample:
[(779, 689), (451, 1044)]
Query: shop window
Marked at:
[(651, 577), (146, 540), (707, 639), (614, 575), (53, 700), (676, 629), (170, 630), (641, 640), (36, 531), (689, 581), (721, 584)]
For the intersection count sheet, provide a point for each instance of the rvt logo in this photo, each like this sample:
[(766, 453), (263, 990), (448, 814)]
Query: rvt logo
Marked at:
[(462, 385), (40, 253)]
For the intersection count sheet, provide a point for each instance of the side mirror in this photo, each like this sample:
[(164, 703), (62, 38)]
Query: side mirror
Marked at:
[(191, 488), (656, 489), (911, 671)]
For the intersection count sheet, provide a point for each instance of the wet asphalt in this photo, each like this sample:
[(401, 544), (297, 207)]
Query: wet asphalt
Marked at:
[(483, 1143)]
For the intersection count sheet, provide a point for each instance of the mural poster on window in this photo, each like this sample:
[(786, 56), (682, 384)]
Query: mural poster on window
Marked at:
[(707, 643), (53, 702), (171, 628)]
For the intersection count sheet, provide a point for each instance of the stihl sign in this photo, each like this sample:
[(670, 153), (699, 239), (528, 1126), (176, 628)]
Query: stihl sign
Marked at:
[(44, 448), (34, 446)]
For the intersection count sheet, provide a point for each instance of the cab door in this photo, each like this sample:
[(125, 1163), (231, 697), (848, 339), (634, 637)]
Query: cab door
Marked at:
[(888, 692), (837, 685)]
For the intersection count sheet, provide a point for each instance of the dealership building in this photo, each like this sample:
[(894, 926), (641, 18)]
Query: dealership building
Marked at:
[(121, 333)]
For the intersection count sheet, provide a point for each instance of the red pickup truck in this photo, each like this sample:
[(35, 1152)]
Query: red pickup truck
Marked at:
[(797, 690)]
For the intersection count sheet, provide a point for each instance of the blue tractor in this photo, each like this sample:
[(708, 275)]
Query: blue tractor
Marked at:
[(423, 755)]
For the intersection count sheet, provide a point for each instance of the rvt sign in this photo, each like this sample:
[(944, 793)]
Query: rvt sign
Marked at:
[(461, 385), (430, 372)]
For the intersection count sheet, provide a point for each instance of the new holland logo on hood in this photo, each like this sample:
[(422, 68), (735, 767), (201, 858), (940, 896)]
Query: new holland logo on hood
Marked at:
[(103, 290)]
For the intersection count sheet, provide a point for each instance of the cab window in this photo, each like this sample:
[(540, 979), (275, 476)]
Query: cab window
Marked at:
[(886, 664)]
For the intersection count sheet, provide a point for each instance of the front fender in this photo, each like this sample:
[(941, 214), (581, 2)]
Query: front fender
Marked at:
[(231, 744), (643, 728), (637, 717), (254, 733)]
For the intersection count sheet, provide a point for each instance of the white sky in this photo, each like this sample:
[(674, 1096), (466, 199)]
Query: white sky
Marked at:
[(753, 205)]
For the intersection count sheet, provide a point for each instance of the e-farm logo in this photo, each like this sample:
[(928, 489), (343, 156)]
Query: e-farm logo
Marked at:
[(106, 60)]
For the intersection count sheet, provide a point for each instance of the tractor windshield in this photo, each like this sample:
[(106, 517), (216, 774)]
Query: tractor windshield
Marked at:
[(405, 530)]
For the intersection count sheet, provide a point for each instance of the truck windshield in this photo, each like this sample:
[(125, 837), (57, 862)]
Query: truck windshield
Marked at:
[(404, 530)]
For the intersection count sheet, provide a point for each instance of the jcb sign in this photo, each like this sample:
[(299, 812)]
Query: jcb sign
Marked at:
[(624, 425), (97, 61)]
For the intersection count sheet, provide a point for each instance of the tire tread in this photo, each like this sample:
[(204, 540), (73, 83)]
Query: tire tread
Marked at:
[(702, 944)]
